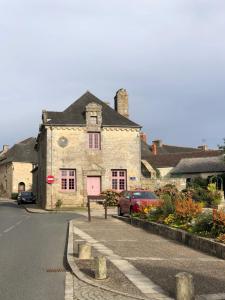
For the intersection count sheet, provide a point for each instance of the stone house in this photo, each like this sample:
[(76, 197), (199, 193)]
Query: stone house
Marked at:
[(88, 148), (16, 164), (174, 161)]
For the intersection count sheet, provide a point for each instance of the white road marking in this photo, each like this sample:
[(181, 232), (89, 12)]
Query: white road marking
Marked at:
[(143, 283), (8, 229), (68, 286)]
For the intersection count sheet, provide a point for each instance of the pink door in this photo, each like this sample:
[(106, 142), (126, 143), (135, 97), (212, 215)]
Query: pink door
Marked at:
[(93, 186)]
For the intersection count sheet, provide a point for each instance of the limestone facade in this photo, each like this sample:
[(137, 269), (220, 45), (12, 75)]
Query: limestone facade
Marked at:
[(120, 150), (11, 175), (88, 148)]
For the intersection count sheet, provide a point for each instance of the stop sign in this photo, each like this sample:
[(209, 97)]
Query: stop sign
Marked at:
[(50, 179)]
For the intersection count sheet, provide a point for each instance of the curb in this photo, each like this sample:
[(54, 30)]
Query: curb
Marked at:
[(36, 212), (81, 276)]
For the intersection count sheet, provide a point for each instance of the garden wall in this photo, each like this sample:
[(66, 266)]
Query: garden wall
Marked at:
[(154, 184), (199, 243)]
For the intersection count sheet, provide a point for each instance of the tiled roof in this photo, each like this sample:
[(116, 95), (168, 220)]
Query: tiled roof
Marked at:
[(21, 152), (200, 165), (75, 114)]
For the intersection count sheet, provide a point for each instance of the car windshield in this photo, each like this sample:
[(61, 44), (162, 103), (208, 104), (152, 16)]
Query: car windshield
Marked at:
[(144, 195), (26, 194)]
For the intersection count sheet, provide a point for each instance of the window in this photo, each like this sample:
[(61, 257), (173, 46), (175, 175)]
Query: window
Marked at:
[(119, 180), (93, 120), (68, 180), (94, 140)]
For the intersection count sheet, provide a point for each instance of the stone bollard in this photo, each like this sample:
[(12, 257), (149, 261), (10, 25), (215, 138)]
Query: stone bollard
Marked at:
[(84, 251), (184, 286), (100, 268)]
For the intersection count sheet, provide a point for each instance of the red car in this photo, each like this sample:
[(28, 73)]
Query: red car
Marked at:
[(129, 201)]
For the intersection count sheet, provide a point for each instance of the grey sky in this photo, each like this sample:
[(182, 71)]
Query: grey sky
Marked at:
[(168, 54)]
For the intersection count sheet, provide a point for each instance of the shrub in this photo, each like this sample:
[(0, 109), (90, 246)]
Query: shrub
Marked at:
[(146, 208), (58, 204), (170, 219), (170, 190), (218, 222), (187, 209), (221, 238), (112, 197), (203, 223), (167, 206)]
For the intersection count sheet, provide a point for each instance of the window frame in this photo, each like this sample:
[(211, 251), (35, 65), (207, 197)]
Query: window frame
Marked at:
[(117, 178), (93, 142), (67, 179)]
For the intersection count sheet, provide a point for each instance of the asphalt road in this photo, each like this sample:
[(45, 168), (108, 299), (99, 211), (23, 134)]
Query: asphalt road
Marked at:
[(31, 245)]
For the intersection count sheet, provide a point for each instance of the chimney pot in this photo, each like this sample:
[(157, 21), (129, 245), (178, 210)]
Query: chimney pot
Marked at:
[(158, 143), (143, 137), (203, 147), (154, 149)]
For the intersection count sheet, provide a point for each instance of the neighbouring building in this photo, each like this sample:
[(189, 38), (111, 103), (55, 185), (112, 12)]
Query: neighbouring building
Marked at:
[(88, 148), (16, 164), (183, 162)]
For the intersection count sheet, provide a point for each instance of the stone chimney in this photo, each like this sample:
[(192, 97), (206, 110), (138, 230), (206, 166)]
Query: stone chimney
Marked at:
[(121, 103), (158, 143), (154, 149), (5, 148), (143, 137), (203, 147)]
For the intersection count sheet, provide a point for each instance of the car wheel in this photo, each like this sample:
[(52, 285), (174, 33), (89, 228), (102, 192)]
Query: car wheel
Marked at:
[(119, 211)]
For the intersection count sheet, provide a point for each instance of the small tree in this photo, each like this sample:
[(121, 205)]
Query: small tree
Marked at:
[(58, 204)]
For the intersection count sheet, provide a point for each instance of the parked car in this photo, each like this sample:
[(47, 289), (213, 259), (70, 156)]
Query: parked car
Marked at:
[(26, 197), (133, 199)]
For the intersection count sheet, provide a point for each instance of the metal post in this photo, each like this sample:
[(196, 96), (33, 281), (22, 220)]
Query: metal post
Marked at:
[(89, 211), (105, 209)]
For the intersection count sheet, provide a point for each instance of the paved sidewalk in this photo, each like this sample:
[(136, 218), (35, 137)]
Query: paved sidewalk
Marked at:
[(154, 257)]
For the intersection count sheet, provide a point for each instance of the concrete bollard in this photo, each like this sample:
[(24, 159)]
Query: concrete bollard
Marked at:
[(84, 251), (100, 268), (184, 286)]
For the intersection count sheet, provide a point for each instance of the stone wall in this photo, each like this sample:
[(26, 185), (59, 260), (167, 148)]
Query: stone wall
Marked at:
[(11, 174), (120, 149), (6, 172), (22, 173), (153, 184)]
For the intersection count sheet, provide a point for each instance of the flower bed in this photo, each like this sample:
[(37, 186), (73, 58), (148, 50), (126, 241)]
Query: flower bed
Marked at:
[(179, 210)]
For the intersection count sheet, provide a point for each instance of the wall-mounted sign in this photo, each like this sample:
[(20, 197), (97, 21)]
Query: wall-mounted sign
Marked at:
[(50, 179)]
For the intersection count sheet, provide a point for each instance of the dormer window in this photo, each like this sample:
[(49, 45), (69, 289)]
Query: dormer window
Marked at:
[(93, 120), (93, 117)]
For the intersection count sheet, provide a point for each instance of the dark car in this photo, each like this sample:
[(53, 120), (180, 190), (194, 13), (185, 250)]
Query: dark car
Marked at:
[(133, 199), (26, 197)]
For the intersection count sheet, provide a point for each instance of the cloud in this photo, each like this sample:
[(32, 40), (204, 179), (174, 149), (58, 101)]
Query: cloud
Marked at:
[(168, 54)]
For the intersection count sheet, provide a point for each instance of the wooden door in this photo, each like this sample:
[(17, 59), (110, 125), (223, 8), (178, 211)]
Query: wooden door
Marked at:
[(93, 186)]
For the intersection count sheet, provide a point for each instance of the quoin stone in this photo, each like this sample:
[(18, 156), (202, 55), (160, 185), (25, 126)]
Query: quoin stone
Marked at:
[(100, 268), (184, 286), (84, 251)]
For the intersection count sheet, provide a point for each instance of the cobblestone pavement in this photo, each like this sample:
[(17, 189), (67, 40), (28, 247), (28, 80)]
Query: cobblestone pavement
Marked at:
[(155, 257), (83, 291)]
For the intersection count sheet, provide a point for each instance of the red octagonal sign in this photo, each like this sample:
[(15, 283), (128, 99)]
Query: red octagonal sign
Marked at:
[(50, 179)]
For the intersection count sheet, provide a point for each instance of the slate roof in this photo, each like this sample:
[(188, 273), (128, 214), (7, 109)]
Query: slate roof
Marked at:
[(200, 165), (21, 152), (167, 149), (167, 160), (75, 114)]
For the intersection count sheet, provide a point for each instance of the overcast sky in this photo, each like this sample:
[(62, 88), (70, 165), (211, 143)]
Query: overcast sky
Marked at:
[(168, 54)]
